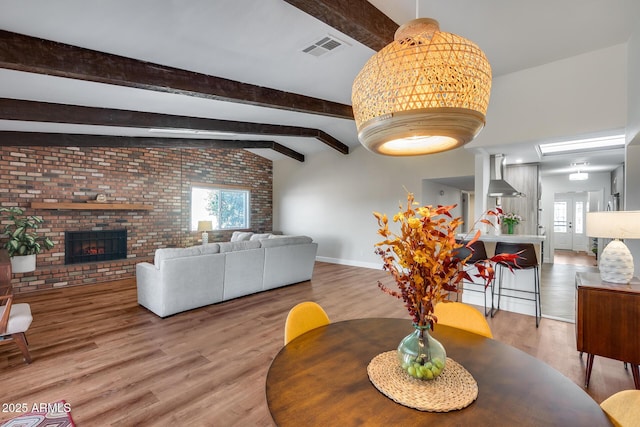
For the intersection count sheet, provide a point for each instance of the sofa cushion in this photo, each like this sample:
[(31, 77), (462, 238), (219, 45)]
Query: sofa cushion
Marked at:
[(238, 246), (260, 236), (284, 241), (210, 248), (241, 236), (169, 253)]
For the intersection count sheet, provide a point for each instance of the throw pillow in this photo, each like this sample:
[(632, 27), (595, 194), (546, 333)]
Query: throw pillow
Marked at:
[(260, 236), (241, 236)]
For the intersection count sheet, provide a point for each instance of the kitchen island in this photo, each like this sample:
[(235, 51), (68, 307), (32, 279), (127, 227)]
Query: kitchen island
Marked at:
[(523, 280), (509, 238)]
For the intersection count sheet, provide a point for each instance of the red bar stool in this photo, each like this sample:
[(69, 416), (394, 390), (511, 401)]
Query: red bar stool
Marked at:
[(528, 260)]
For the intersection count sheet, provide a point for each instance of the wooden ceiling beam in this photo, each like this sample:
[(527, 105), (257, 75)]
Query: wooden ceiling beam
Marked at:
[(33, 55), (35, 111), (358, 19), (44, 139)]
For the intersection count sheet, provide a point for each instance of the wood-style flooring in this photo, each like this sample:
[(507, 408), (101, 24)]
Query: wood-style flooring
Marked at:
[(557, 283), (118, 364)]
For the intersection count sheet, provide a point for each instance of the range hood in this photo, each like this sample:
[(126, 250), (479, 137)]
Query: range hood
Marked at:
[(498, 187)]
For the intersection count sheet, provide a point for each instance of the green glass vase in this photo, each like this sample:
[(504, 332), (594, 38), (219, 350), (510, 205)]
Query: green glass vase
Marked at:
[(420, 355), (510, 228)]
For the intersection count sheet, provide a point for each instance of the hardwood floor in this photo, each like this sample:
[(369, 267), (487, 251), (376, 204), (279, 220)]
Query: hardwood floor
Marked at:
[(561, 256), (557, 283), (118, 364)]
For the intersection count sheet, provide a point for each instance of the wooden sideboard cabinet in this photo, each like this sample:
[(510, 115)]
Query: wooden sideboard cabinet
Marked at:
[(608, 321)]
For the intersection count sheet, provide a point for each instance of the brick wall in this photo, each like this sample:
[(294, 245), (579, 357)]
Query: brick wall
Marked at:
[(158, 177)]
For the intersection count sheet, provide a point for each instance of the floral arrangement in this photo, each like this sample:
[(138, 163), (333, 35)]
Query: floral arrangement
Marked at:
[(511, 218), (423, 258)]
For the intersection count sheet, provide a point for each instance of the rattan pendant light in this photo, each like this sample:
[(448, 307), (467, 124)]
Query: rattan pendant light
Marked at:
[(424, 93)]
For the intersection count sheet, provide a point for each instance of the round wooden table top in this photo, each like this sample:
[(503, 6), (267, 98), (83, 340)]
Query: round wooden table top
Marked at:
[(320, 379)]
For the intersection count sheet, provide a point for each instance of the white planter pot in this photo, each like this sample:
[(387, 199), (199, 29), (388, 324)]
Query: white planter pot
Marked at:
[(23, 264)]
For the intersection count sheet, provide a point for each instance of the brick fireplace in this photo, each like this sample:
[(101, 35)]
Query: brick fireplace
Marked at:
[(92, 246), (37, 179)]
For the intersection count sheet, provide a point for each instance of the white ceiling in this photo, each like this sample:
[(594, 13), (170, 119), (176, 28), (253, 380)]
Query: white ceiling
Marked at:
[(260, 42)]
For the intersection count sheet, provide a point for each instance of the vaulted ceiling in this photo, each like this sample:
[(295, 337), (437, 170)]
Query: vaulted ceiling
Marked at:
[(234, 73)]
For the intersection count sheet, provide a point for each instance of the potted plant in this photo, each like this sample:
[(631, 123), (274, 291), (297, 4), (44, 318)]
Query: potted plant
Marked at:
[(511, 219), (23, 242)]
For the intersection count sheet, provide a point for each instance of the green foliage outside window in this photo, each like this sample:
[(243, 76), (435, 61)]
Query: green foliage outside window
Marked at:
[(226, 208)]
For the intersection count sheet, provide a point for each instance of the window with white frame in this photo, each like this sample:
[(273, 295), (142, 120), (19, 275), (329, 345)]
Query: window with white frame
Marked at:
[(579, 216), (226, 207), (560, 220)]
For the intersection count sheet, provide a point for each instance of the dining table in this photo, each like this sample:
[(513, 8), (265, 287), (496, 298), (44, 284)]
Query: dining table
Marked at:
[(321, 379)]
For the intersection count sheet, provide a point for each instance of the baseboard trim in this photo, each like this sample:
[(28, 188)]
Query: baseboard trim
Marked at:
[(349, 262), (561, 319)]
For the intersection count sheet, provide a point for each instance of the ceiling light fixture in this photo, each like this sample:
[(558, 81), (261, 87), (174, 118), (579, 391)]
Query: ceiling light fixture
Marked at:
[(426, 92), (588, 144), (578, 176)]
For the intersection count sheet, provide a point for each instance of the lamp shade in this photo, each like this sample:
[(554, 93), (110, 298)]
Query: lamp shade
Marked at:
[(205, 225), (614, 224), (426, 92), (616, 261)]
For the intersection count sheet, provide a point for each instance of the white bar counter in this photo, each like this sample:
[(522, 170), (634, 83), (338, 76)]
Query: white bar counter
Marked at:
[(519, 279), (509, 238)]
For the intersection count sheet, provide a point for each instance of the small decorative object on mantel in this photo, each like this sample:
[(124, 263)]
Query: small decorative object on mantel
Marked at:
[(100, 198), (423, 260), (511, 219)]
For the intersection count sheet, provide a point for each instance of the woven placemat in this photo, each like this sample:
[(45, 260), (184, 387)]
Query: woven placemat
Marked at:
[(454, 389)]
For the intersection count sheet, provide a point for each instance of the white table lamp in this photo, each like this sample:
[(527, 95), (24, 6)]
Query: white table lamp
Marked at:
[(205, 226), (616, 262)]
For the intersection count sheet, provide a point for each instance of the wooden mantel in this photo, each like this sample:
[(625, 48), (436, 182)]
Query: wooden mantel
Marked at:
[(87, 206)]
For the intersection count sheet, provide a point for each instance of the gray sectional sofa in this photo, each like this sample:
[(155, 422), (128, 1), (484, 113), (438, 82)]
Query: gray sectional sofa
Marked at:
[(181, 279)]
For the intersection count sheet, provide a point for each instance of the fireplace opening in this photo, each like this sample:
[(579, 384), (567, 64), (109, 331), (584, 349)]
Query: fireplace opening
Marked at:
[(92, 246)]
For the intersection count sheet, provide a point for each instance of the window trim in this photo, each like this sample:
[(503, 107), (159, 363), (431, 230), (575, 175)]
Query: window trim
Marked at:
[(209, 186)]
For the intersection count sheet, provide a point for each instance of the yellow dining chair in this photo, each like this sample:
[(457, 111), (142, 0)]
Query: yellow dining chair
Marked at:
[(623, 408), (302, 318), (462, 316)]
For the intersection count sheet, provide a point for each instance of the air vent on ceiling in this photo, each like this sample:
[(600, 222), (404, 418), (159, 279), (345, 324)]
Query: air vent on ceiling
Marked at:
[(323, 46)]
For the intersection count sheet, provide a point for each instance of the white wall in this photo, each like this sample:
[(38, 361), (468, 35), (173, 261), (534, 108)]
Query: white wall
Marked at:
[(575, 96), (330, 197), (434, 193), (632, 157)]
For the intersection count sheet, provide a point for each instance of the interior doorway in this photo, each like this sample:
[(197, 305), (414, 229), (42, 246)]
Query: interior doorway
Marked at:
[(569, 214)]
